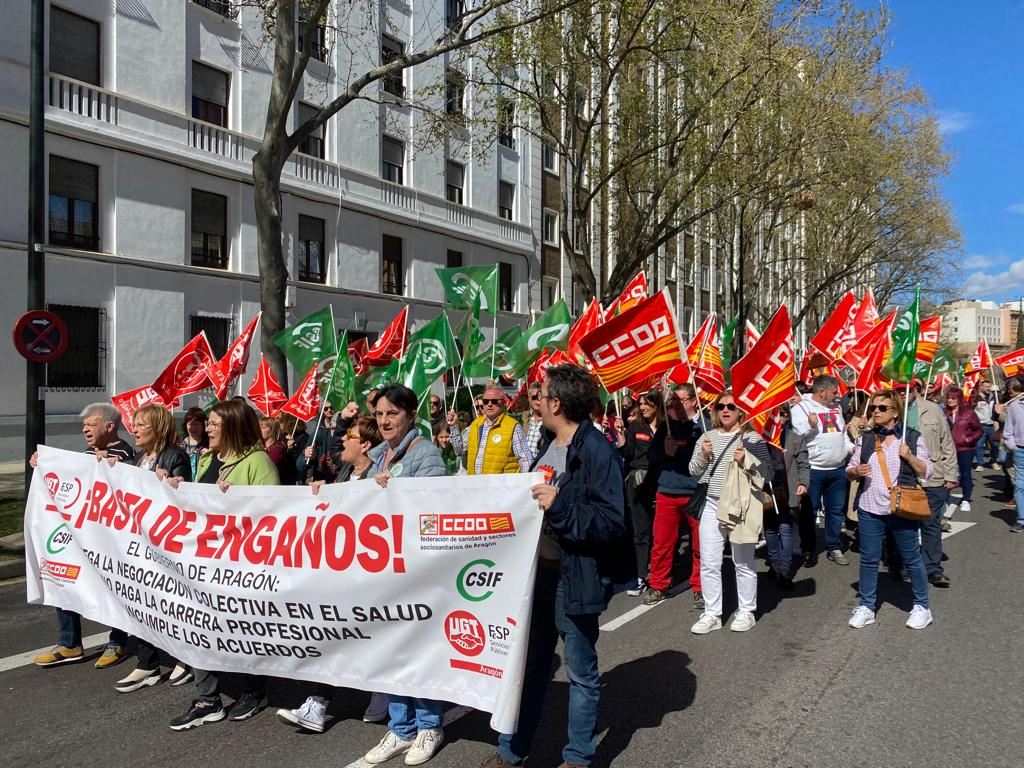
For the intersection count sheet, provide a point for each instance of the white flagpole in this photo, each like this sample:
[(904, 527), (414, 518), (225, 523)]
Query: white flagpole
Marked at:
[(494, 338)]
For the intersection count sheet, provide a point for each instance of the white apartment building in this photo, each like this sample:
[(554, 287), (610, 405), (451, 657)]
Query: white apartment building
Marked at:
[(969, 322), (153, 113)]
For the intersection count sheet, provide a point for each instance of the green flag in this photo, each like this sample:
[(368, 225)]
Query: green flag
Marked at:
[(375, 379), (468, 332), (338, 377), (550, 330), (207, 399), (308, 341), (423, 417), (900, 365), (435, 344), (728, 334), (479, 367), (464, 285)]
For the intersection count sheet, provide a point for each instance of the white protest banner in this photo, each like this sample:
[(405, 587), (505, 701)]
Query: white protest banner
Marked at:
[(420, 589)]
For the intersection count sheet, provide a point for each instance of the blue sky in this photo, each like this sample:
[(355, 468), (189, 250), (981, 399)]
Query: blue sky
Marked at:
[(969, 59)]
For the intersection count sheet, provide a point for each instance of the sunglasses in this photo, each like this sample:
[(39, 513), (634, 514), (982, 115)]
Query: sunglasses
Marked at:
[(882, 408), (490, 401), (726, 407), (535, 397), (350, 435)]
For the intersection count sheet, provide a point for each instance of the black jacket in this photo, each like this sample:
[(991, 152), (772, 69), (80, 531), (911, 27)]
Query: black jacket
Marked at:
[(589, 518), (674, 471), (171, 459), (326, 463)]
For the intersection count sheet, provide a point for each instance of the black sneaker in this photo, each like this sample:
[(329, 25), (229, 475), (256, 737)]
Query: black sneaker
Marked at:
[(939, 580), (810, 560), (1018, 528), (200, 713), (248, 705), (698, 600)]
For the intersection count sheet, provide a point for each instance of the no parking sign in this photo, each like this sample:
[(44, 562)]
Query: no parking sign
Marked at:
[(40, 336)]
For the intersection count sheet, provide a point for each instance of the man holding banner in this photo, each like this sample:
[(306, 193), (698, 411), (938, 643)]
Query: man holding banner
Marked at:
[(585, 543)]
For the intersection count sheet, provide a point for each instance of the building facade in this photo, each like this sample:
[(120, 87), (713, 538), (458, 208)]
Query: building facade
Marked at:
[(966, 323)]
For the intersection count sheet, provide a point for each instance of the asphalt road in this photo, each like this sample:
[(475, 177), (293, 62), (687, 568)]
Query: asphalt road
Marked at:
[(800, 690)]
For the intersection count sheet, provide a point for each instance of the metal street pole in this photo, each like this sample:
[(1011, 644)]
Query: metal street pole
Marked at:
[(35, 373)]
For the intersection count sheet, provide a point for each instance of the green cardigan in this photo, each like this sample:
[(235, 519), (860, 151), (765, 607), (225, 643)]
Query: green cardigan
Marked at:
[(251, 468)]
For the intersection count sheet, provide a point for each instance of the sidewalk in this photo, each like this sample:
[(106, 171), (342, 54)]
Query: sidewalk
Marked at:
[(12, 480)]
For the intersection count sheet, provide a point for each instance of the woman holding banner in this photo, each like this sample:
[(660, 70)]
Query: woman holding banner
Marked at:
[(236, 457), (414, 726), (157, 451)]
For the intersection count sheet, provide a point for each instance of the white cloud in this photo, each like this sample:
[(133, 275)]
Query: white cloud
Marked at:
[(1016, 208), (977, 261), (999, 286), (954, 121)]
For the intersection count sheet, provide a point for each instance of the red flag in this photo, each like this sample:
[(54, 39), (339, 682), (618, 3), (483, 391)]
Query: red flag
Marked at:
[(304, 404), (357, 354), (857, 355), (705, 357), (129, 402), (942, 381), (765, 377), (864, 319), (225, 371), (769, 426), (644, 384), (188, 372), (970, 382), (869, 377), (265, 392), (591, 318), (1011, 362), (981, 360), (806, 370), (640, 341), (752, 335), (549, 358), (928, 338), (829, 340), (632, 294), (679, 375), (392, 341)]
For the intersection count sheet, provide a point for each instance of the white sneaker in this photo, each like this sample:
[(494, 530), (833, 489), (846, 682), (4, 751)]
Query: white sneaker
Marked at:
[(423, 748), (920, 617), (862, 617), (965, 506), (377, 710), (139, 678), (707, 622), (390, 746), (742, 621), (310, 715), (180, 675), (951, 509), (637, 590)]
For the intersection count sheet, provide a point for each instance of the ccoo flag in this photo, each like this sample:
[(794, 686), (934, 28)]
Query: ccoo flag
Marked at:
[(765, 377)]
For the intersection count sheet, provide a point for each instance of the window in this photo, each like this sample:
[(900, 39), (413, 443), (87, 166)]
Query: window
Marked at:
[(314, 143), (74, 46), (550, 293), (506, 197), (550, 231), (504, 287), (392, 159), (455, 175), (453, 259), (218, 332), (209, 94), (223, 7), (209, 230), (392, 272), (391, 49), (81, 365), (454, 93), (318, 45), (705, 278), (74, 188), (453, 10), (506, 122), (549, 157), (312, 257)]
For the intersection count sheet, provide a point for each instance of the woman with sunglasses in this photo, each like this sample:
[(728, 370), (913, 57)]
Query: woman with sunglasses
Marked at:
[(906, 462), (966, 428), (727, 441)]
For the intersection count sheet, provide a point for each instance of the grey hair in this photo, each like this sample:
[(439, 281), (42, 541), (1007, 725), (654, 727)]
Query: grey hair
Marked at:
[(824, 382), (109, 413)]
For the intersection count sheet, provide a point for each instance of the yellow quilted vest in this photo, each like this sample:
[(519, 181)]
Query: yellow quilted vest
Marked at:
[(499, 458)]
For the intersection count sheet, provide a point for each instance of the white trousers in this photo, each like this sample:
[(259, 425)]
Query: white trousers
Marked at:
[(713, 536)]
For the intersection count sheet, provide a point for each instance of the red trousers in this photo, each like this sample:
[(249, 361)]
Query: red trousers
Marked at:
[(669, 511)]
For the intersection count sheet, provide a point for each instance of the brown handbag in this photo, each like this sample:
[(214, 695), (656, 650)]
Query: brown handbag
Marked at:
[(910, 503)]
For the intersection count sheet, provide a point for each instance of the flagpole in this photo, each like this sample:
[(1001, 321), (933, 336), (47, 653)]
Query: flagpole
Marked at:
[(323, 400), (459, 380), (928, 379), (494, 338)]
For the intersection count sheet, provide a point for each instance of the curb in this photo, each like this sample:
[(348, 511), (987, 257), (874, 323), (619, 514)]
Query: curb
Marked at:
[(12, 569)]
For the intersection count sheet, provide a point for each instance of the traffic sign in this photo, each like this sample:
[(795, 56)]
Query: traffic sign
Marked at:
[(40, 336)]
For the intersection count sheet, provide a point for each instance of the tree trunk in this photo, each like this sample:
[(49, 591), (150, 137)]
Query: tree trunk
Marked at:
[(266, 171)]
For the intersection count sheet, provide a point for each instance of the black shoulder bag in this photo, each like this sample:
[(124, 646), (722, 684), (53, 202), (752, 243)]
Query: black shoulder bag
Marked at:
[(695, 506)]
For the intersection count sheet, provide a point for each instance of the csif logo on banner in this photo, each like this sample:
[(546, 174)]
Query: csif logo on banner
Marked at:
[(634, 340), (475, 576), (780, 359), (58, 539)]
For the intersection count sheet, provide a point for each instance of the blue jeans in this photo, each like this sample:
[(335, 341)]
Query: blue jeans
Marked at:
[(828, 489), (779, 537), (579, 635), (70, 624), (409, 716), (872, 538), (988, 431), (1018, 483), (965, 463)]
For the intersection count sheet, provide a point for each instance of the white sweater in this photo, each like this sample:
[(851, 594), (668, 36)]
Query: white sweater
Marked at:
[(828, 445)]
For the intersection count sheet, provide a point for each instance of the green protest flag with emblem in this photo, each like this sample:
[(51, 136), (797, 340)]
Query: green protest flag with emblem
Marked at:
[(436, 346), (550, 330), (308, 341), (479, 367), (338, 376), (423, 417), (900, 365), (468, 332), (376, 378), (465, 285)]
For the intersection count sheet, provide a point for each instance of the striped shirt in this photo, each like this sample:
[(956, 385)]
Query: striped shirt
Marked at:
[(874, 495), (460, 445), (699, 467)]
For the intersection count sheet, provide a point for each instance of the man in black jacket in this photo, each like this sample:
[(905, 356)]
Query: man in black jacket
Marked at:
[(585, 549)]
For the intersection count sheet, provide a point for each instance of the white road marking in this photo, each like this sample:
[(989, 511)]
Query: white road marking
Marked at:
[(453, 714), (24, 659), (957, 528), (628, 616)]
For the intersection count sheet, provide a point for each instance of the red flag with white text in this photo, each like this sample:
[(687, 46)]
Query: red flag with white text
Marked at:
[(981, 360), (1011, 362), (549, 358), (829, 339), (357, 354), (632, 294), (864, 319), (858, 354), (225, 371), (752, 335), (392, 341), (265, 391), (304, 404), (928, 338), (129, 402), (188, 372), (765, 377), (705, 357)]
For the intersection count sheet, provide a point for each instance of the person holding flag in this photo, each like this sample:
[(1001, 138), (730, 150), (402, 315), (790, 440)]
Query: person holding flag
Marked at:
[(495, 442)]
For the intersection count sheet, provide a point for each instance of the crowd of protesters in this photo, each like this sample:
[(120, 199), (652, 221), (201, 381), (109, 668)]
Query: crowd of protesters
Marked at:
[(635, 491)]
